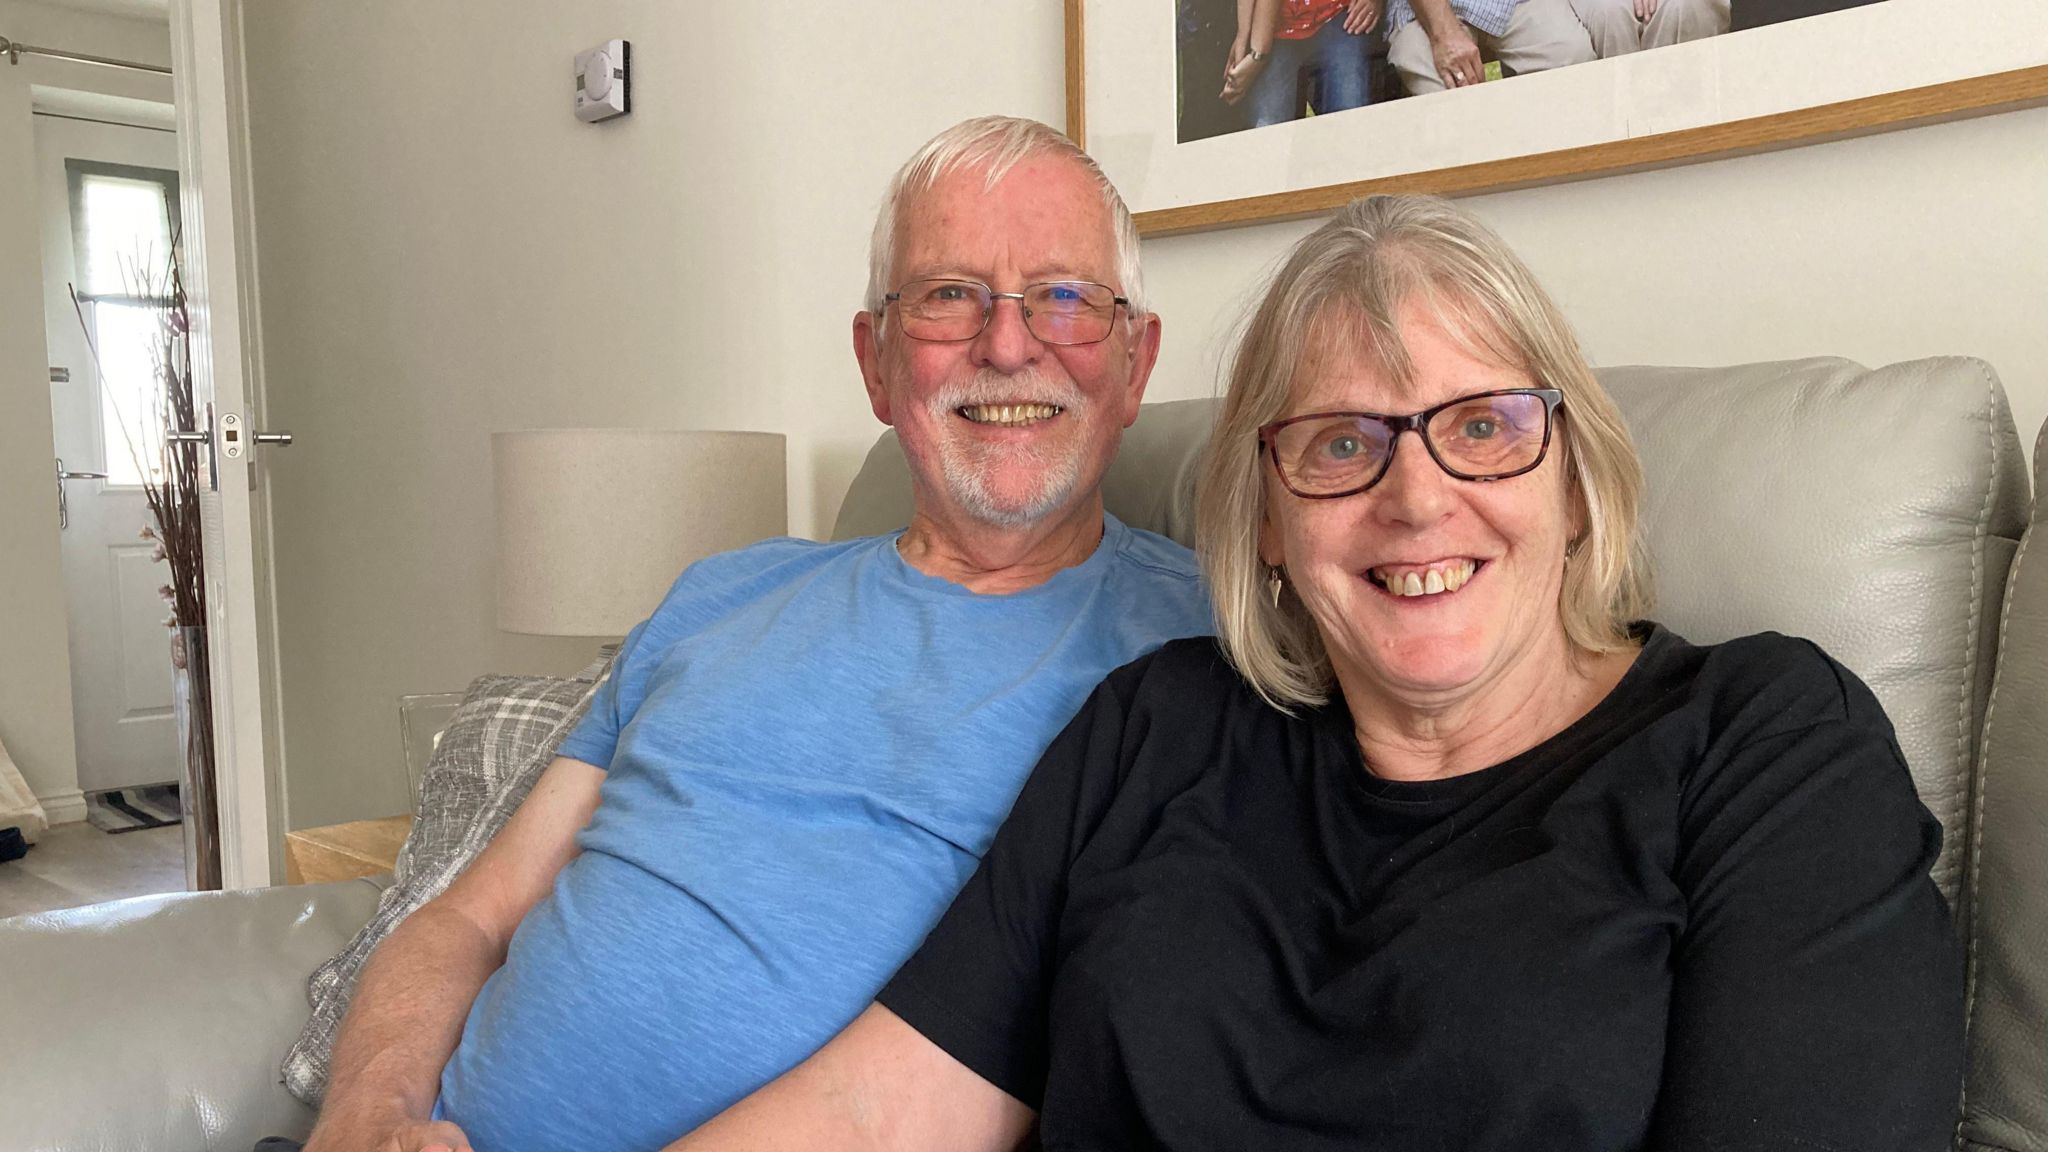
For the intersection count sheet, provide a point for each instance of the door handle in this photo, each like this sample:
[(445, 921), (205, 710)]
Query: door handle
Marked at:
[(63, 501), (280, 439), (228, 438), (199, 437)]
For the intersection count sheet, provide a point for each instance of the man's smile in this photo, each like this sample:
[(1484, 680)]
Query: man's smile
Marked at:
[(1016, 415)]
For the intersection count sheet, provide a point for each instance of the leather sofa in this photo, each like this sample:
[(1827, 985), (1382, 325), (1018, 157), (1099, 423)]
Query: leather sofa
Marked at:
[(1884, 513)]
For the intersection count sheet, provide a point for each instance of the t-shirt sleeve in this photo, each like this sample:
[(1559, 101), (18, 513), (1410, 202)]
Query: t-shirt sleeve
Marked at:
[(596, 737), (978, 985), (1817, 983), (702, 593)]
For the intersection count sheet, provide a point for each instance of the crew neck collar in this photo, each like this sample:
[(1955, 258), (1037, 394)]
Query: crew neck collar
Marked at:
[(1113, 535), (1336, 717)]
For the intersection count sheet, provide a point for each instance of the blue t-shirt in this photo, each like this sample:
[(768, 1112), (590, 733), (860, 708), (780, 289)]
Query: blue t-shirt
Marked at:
[(808, 749)]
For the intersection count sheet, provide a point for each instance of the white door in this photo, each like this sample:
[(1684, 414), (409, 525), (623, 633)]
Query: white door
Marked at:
[(106, 230), (220, 268), (120, 651)]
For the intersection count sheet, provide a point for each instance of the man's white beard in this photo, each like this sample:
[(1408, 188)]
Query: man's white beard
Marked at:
[(969, 466)]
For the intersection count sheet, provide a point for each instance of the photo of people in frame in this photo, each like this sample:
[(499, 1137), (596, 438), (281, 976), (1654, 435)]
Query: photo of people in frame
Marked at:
[(1245, 64)]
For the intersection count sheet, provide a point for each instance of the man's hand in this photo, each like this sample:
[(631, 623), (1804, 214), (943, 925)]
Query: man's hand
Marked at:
[(433, 1136), (411, 1136), (1457, 56), (1645, 9), (1366, 13)]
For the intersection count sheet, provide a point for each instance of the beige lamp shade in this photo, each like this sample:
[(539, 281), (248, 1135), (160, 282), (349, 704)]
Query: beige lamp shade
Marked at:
[(595, 523)]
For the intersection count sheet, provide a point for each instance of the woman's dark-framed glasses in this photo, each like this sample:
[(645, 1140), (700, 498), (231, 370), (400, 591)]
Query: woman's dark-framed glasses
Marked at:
[(1484, 436), (1056, 312)]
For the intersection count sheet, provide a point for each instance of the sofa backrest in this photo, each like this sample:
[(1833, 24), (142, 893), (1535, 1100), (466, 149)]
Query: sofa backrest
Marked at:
[(1873, 511), (2005, 1098)]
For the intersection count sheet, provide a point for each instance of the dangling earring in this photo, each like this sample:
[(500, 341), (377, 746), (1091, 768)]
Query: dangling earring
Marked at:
[(1274, 583)]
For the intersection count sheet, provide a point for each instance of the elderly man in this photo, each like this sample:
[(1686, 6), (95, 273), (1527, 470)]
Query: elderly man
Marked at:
[(1438, 44), (799, 758)]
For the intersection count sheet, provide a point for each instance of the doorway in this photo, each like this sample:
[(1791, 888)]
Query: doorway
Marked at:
[(107, 239), (101, 195)]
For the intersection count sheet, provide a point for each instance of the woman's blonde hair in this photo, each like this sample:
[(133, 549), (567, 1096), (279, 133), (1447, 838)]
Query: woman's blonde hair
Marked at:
[(1348, 280)]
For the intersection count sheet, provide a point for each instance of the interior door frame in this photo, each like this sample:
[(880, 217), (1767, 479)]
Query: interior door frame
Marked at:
[(227, 364)]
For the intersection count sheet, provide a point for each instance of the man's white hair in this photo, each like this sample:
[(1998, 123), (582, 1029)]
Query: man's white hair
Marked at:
[(995, 144)]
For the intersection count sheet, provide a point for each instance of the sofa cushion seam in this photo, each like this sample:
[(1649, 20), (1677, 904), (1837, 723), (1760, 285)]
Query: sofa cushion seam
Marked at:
[(1977, 543), (1979, 771)]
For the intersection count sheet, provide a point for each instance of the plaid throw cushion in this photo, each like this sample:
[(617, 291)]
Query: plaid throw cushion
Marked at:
[(494, 748)]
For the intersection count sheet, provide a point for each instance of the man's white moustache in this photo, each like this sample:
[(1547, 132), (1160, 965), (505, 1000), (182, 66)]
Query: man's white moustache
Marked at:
[(989, 387)]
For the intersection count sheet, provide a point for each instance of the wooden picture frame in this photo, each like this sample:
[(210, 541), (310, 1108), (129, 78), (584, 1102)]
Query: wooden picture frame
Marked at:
[(2000, 91)]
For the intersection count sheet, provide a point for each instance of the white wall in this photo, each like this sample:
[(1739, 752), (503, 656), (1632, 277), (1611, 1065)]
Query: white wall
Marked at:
[(35, 666), (445, 251), (1926, 242)]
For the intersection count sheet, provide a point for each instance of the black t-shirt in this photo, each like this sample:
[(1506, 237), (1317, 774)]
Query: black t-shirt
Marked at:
[(1699, 918)]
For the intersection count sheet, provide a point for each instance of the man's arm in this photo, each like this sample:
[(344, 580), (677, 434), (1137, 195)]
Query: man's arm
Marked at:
[(415, 992), (879, 1086), (1450, 43)]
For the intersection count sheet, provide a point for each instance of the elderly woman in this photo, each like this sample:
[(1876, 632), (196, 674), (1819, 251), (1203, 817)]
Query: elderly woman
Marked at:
[(1439, 847)]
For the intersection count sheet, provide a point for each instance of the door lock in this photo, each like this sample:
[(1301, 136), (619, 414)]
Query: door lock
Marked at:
[(234, 438), (230, 439)]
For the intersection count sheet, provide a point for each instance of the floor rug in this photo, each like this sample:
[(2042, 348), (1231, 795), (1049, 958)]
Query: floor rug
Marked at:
[(133, 809)]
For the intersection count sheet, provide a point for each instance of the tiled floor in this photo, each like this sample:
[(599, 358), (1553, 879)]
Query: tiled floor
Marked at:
[(78, 864)]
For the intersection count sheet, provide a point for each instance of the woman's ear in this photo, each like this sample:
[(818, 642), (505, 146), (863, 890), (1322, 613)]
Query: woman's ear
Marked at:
[(1578, 518), (1270, 551)]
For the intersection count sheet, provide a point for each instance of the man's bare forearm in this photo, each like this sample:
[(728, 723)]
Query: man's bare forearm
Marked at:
[(404, 1023), (417, 989), (879, 1086), (1435, 16)]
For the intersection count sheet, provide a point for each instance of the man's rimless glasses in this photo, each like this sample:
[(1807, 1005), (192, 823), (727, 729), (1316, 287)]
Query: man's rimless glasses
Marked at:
[(1056, 312)]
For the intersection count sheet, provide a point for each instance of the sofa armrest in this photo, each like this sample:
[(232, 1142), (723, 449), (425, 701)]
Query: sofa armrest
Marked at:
[(159, 1022)]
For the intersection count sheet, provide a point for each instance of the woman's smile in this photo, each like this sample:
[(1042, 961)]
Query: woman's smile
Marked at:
[(1433, 578)]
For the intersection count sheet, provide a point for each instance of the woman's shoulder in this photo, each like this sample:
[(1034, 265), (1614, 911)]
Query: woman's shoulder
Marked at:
[(1763, 684), (1190, 670), (1784, 737), (1151, 720), (1175, 705)]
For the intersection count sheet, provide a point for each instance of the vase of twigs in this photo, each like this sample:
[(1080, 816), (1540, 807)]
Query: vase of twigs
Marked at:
[(192, 696), (172, 487)]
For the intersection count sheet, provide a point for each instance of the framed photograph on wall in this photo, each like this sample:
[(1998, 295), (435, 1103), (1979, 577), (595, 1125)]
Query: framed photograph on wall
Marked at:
[(1201, 129)]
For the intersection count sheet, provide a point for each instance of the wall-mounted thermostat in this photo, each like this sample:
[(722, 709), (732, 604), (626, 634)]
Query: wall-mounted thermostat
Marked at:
[(604, 78)]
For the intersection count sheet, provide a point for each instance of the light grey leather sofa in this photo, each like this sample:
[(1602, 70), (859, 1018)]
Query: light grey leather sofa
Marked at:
[(1878, 512), (159, 1023)]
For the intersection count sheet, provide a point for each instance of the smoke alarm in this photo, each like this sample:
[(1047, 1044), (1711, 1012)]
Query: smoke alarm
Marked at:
[(604, 81)]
